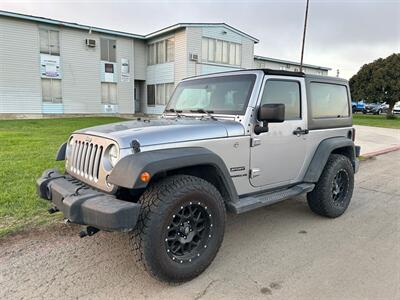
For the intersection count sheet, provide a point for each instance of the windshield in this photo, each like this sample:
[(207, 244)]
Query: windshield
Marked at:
[(220, 95)]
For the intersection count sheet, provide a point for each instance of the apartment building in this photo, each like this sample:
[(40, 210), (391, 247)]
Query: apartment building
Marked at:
[(54, 67)]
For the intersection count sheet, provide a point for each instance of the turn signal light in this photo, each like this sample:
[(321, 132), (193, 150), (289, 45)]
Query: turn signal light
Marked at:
[(145, 177)]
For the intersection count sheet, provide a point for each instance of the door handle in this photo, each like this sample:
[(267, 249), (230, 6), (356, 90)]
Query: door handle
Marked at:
[(300, 131)]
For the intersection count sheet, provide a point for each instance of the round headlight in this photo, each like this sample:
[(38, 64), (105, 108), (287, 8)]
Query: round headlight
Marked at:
[(113, 155)]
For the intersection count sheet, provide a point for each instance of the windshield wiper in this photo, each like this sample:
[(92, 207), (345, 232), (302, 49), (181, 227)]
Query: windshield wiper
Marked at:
[(207, 112), (176, 111)]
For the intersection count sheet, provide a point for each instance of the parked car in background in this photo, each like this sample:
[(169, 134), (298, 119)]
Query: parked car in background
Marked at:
[(375, 108), (357, 106), (396, 108)]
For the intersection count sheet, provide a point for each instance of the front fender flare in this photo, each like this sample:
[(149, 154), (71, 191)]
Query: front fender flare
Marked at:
[(127, 171), (61, 152)]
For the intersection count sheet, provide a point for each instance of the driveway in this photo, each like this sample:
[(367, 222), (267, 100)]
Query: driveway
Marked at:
[(373, 139), (280, 252)]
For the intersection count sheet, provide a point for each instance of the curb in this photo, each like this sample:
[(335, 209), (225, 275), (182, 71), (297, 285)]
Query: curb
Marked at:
[(380, 152)]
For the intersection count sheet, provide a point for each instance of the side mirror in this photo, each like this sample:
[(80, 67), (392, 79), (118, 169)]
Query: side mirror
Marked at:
[(270, 113)]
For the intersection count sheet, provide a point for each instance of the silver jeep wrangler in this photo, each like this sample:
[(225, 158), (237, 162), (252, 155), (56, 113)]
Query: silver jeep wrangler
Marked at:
[(231, 141)]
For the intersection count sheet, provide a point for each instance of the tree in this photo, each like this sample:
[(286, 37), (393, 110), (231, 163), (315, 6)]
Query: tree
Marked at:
[(378, 81)]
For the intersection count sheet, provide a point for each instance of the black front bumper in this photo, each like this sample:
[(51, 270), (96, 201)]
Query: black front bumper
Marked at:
[(83, 205)]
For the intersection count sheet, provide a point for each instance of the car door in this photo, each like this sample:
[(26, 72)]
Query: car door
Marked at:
[(277, 156)]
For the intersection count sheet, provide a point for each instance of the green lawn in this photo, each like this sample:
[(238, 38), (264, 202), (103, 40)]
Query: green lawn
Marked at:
[(376, 121), (27, 148)]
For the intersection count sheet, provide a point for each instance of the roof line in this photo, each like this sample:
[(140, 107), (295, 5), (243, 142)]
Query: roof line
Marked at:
[(116, 32), (68, 24), (183, 25), (290, 62)]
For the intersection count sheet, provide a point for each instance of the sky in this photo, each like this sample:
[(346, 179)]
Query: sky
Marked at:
[(341, 34)]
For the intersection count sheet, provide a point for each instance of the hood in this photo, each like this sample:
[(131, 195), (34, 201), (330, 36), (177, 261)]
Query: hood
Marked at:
[(163, 131)]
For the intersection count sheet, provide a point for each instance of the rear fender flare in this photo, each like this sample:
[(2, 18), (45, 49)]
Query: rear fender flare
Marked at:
[(324, 150)]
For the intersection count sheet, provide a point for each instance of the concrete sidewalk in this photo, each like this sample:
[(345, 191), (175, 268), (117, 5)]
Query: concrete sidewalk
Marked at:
[(376, 139)]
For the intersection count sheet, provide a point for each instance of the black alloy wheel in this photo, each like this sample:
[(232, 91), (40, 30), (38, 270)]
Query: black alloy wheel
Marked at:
[(340, 186), (188, 234)]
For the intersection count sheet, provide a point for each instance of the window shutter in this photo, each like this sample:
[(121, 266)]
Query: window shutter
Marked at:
[(204, 49), (54, 42), (112, 89), (44, 41), (46, 90), (218, 51), (211, 50), (225, 53), (56, 90), (104, 92), (238, 59), (232, 54), (112, 56), (104, 49)]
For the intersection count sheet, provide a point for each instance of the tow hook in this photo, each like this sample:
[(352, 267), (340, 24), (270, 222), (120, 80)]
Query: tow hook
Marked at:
[(88, 231), (53, 210)]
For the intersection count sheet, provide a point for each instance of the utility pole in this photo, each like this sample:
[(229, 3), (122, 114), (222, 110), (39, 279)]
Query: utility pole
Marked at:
[(304, 37)]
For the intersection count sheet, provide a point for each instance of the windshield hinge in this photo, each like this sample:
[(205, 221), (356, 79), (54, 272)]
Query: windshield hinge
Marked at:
[(255, 172), (255, 142)]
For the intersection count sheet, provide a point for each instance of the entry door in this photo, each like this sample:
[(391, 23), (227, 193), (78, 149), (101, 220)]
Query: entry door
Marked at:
[(277, 157)]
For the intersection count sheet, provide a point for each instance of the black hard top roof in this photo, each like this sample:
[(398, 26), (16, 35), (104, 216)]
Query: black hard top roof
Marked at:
[(281, 73)]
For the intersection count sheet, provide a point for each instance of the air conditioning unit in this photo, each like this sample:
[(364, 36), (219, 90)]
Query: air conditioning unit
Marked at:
[(194, 56), (91, 43), (110, 108)]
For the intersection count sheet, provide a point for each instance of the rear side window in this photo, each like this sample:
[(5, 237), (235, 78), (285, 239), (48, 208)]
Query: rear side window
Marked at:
[(328, 100), (283, 92)]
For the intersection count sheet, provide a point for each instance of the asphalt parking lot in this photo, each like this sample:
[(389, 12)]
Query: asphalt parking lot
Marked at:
[(280, 252)]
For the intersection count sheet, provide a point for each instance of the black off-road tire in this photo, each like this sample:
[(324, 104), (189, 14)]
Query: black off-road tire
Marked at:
[(324, 200), (165, 202)]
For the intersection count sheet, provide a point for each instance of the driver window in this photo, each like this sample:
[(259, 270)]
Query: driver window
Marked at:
[(284, 92)]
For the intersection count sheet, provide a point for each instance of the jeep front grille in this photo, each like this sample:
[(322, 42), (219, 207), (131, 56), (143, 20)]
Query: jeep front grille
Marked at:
[(85, 161)]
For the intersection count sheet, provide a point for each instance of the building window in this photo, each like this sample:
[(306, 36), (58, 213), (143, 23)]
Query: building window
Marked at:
[(161, 52), (109, 68), (49, 41), (170, 49), (151, 95), (159, 94), (222, 52), (109, 93), (108, 49), (51, 90)]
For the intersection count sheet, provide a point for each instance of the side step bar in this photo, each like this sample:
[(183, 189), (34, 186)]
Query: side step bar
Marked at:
[(252, 202)]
